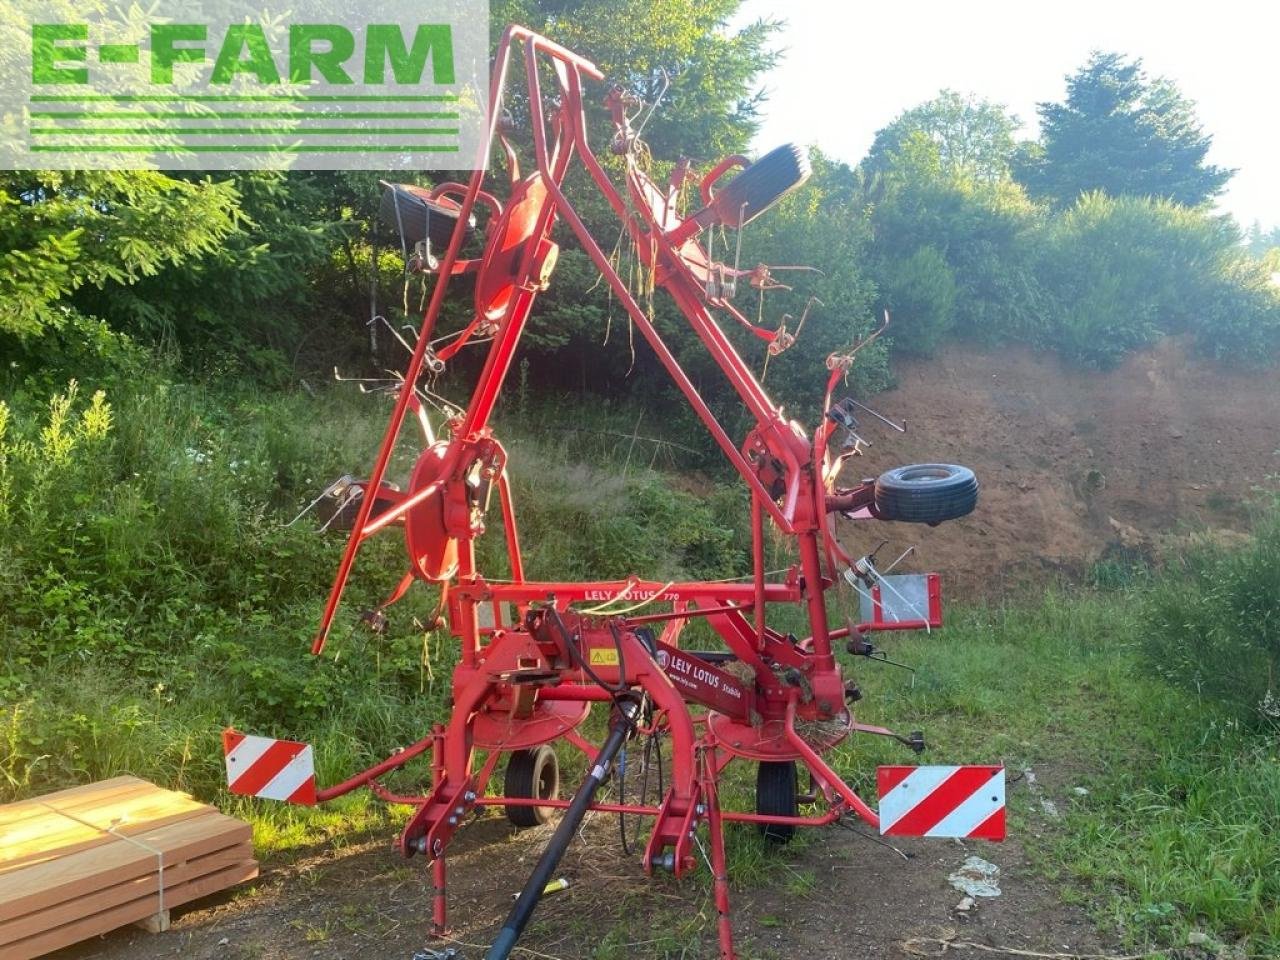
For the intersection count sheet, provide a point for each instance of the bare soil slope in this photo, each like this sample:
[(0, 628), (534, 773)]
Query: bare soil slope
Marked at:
[(1077, 465)]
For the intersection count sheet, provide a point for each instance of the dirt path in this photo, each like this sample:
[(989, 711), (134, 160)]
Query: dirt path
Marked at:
[(842, 894)]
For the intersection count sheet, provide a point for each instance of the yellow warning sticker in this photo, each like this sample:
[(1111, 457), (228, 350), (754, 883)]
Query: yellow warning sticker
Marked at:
[(603, 657)]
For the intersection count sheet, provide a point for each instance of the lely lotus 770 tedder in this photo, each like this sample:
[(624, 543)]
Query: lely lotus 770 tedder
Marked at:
[(536, 657)]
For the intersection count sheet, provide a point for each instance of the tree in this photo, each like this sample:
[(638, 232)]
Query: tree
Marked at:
[(1261, 242), (974, 137), (984, 230), (712, 105), (64, 231), (1122, 133)]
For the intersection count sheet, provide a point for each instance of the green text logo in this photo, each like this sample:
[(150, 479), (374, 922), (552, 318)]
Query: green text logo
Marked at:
[(230, 85)]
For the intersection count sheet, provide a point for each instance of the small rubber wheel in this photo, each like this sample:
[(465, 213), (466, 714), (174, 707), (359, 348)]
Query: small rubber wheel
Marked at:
[(926, 493), (532, 773), (762, 184), (777, 796)]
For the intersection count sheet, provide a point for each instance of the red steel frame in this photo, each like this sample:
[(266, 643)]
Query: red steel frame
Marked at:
[(515, 687)]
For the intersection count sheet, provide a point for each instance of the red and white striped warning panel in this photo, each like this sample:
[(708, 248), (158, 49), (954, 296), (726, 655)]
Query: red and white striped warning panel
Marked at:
[(271, 769), (941, 801)]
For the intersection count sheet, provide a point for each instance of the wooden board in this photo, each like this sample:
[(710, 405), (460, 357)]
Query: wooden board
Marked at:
[(126, 913), (84, 861), (56, 826), (70, 798), (135, 890), (42, 885)]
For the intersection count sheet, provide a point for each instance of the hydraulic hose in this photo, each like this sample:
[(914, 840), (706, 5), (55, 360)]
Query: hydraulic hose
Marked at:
[(621, 728)]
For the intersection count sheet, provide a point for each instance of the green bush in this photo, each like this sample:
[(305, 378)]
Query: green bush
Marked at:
[(1239, 312), (1121, 272), (1214, 631), (920, 294)]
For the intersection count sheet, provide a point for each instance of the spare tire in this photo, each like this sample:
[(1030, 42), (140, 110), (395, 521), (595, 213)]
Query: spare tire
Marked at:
[(762, 184), (926, 493), (413, 216)]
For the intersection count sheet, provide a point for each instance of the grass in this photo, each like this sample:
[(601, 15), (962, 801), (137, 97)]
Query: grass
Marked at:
[(150, 595)]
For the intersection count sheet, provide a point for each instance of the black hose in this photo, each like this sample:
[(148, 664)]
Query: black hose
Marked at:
[(624, 721), (575, 653)]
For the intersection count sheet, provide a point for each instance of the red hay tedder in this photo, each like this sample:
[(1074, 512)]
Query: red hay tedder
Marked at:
[(537, 656)]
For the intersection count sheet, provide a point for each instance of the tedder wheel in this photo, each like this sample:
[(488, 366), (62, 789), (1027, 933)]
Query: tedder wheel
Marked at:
[(762, 184), (926, 493), (776, 795), (532, 773)]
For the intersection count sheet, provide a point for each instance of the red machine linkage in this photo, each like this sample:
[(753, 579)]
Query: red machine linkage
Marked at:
[(536, 657)]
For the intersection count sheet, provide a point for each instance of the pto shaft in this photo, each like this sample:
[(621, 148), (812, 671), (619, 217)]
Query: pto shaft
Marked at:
[(621, 728)]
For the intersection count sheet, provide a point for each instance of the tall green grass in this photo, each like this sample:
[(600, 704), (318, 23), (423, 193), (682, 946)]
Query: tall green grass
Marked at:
[(152, 591)]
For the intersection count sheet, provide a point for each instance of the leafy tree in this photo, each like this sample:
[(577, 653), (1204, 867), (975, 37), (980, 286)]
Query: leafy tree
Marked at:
[(984, 230), (245, 304), (920, 293), (64, 231), (973, 137), (712, 105), (1125, 134), (1261, 242)]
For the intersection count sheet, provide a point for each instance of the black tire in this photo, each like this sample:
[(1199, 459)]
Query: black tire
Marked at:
[(411, 216), (777, 796), (926, 493), (532, 773), (762, 184)]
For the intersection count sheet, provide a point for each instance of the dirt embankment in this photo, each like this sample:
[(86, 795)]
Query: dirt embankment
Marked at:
[(1077, 465)]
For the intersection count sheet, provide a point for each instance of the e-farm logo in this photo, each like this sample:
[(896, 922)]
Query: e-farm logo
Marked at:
[(234, 85)]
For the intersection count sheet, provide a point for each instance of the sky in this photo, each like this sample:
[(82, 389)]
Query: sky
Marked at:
[(850, 68)]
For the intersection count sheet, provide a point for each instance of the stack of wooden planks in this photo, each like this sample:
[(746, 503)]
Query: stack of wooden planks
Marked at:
[(81, 862)]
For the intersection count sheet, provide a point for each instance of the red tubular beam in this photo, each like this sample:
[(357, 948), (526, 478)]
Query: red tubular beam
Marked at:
[(811, 565), (819, 766), (574, 694), (638, 316), (509, 528), (641, 811), (718, 171), (403, 507), (830, 817), (589, 749), (564, 804), (393, 762), (722, 351), (687, 614), (385, 795), (826, 819), (542, 44), (757, 566), (600, 590), (405, 395)]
